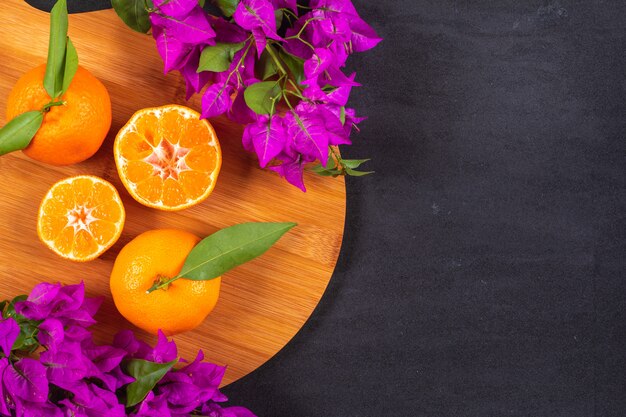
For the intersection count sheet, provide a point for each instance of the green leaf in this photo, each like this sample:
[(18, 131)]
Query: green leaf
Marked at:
[(11, 307), (133, 13), (53, 78), (342, 115), (71, 65), (201, 3), (27, 339), (295, 64), (218, 57), (259, 96), (355, 173), (231, 247), (147, 374), (278, 15), (227, 7), (18, 133), (266, 66), (353, 163)]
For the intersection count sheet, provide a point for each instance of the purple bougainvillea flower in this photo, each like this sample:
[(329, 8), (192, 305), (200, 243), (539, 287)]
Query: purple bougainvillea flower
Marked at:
[(40, 302), (268, 137), (51, 333), (306, 128), (172, 51), (363, 36), (240, 112), (292, 171), (176, 8), (227, 32), (4, 408), (206, 376), (9, 331), (194, 28), (164, 351), (26, 380), (194, 80), (317, 63), (258, 17), (216, 100)]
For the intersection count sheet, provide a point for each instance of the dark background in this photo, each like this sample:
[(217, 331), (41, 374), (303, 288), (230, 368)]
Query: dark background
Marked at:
[(482, 272)]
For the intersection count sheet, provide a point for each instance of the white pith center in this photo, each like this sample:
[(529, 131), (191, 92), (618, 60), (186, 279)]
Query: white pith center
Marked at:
[(80, 218), (168, 160)]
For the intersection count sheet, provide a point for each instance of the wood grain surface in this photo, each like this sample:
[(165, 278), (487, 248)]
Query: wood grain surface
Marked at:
[(263, 303)]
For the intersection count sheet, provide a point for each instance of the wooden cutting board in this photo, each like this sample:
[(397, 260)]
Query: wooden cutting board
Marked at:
[(263, 303)]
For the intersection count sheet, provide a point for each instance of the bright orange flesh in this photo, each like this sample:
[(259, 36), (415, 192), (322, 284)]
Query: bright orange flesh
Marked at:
[(167, 157), (80, 217), (72, 132), (153, 255)]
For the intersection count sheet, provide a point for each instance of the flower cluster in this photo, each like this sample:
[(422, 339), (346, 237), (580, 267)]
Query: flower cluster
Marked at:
[(73, 376), (275, 66)]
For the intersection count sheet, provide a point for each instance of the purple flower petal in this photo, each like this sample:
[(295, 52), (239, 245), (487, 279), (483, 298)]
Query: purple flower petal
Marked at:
[(216, 100), (51, 333), (318, 63), (257, 14), (307, 132), (259, 40), (292, 172), (176, 8), (9, 331), (26, 380), (172, 51), (268, 137), (341, 6), (194, 80), (363, 36), (164, 351), (240, 112), (4, 409), (227, 32), (192, 29)]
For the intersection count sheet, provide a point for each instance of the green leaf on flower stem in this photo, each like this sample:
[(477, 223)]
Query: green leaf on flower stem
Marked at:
[(218, 57), (259, 96), (55, 66), (353, 163), (18, 133), (342, 115), (355, 173), (71, 65), (133, 13), (231, 247), (266, 66), (295, 65), (147, 374), (227, 7)]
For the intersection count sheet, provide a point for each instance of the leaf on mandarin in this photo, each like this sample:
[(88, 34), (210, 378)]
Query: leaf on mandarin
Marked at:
[(18, 133)]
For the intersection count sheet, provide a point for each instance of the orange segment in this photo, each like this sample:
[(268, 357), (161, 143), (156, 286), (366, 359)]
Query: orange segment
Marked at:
[(80, 217), (167, 157)]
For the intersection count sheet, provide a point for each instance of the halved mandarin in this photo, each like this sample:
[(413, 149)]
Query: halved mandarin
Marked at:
[(80, 217), (167, 157)]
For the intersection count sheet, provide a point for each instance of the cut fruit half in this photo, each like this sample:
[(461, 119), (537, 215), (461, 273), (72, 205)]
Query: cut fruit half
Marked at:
[(167, 157), (80, 217)]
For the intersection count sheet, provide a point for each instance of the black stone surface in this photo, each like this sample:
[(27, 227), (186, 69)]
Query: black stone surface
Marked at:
[(482, 273)]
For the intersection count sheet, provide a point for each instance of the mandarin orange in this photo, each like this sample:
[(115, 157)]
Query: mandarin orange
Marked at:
[(157, 255), (80, 217), (167, 157), (72, 132)]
